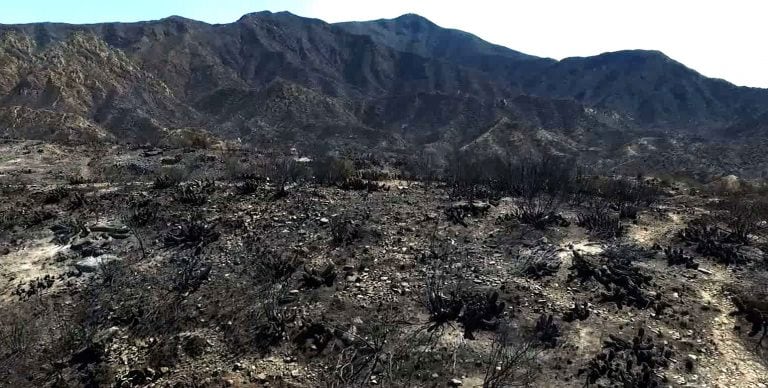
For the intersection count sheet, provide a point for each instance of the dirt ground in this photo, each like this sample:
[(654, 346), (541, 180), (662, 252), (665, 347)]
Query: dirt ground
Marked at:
[(141, 316)]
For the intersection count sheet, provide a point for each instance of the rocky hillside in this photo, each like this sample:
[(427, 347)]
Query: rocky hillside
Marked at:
[(392, 84)]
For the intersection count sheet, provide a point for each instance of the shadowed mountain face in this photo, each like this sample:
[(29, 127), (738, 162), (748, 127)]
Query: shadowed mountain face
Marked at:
[(400, 82)]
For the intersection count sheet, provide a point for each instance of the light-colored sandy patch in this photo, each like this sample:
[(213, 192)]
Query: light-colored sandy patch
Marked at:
[(30, 262)]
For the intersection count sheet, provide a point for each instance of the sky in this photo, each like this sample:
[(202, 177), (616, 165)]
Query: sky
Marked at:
[(722, 39)]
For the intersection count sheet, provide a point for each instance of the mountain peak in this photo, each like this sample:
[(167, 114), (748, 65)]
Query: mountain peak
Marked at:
[(412, 18)]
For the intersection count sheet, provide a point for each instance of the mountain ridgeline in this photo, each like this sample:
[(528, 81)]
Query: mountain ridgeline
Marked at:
[(392, 84)]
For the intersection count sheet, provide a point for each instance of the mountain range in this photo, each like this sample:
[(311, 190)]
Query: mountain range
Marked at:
[(391, 84)]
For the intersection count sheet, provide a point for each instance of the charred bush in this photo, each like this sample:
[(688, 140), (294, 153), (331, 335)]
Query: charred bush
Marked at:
[(474, 310), (195, 193), (75, 180), (247, 187), (712, 241), (333, 171), (511, 360), (628, 363), (358, 184), (539, 212), (599, 221), (191, 233), (189, 272), (458, 211), (345, 230), (316, 278), (481, 312), (745, 217), (623, 282), (547, 331), (754, 311), (55, 195), (538, 263), (676, 256), (579, 311), (270, 265), (143, 212), (624, 192), (443, 305), (166, 181)]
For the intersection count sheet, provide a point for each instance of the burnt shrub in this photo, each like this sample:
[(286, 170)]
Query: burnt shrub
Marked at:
[(169, 177), (316, 278), (349, 228), (539, 212), (189, 272), (248, 187), (625, 191), (547, 330), (512, 359), (538, 262), (333, 171), (270, 265), (77, 180), (710, 240), (600, 221), (195, 193), (744, 217), (475, 310), (191, 233), (55, 195), (142, 212)]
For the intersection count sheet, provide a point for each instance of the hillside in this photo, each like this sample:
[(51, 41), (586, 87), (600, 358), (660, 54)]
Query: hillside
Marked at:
[(391, 85)]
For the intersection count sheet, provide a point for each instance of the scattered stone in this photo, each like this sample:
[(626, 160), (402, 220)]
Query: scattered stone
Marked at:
[(455, 383), (92, 264)]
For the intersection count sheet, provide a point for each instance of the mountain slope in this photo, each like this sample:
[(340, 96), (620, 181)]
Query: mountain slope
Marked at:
[(651, 88), (402, 83)]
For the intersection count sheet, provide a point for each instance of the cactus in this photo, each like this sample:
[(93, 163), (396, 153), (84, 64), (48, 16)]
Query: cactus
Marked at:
[(579, 311), (547, 331), (628, 363), (676, 256)]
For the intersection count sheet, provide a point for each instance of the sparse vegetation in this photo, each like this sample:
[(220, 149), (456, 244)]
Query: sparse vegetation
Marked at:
[(353, 283)]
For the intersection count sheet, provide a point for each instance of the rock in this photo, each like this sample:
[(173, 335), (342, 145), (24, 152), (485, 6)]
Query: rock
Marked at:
[(690, 363), (4, 251), (704, 271), (92, 264), (324, 221), (105, 335), (455, 383)]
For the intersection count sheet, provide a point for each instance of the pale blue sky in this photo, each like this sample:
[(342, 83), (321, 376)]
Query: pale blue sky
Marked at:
[(718, 38)]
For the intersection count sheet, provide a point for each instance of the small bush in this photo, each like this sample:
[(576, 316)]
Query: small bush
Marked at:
[(77, 180), (539, 212), (189, 272), (345, 231), (316, 278), (55, 196), (512, 360), (192, 233), (248, 187), (163, 182), (269, 265), (599, 221), (333, 171)]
